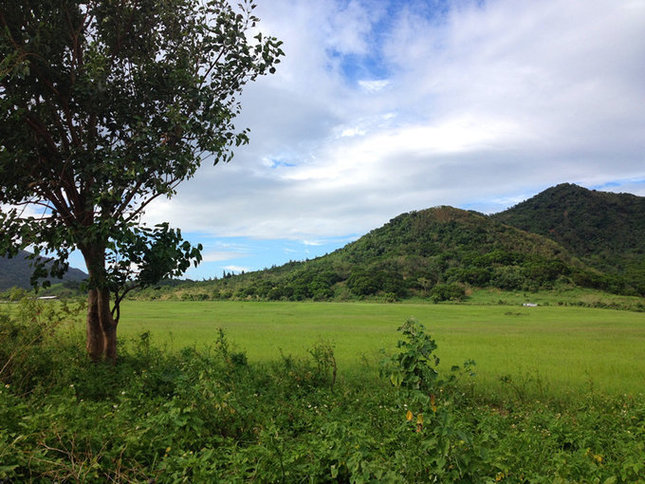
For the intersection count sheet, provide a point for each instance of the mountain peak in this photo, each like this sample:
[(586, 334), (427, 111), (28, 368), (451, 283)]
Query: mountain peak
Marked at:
[(605, 229)]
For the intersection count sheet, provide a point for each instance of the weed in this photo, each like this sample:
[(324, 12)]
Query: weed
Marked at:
[(323, 354)]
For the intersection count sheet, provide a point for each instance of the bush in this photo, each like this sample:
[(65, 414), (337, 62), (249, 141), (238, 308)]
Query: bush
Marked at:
[(30, 344), (447, 292), (414, 367)]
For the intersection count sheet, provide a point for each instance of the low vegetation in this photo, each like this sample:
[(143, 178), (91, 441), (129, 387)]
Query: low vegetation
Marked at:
[(213, 413)]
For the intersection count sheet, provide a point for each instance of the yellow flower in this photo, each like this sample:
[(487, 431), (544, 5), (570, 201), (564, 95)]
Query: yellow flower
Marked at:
[(409, 416)]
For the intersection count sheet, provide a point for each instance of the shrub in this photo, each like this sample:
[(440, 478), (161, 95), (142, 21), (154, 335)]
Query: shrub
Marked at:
[(31, 349), (447, 292), (415, 365), (323, 355)]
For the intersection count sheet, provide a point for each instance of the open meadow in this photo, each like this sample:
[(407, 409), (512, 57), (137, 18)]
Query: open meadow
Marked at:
[(261, 400), (552, 350)]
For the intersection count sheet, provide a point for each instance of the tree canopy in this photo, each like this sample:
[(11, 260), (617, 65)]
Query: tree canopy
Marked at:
[(106, 105)]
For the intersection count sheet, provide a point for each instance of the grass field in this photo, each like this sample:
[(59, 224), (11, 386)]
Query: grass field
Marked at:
[(550, 351), (573, 411)]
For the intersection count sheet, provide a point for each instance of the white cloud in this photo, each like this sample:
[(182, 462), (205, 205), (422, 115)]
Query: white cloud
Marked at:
[(215, 256), (480, 104), (350, 132), (237, 269), (374, 86), (635, 187)]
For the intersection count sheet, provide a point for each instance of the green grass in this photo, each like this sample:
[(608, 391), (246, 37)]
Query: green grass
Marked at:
[(550, 351), (211, 416), (562, 296)]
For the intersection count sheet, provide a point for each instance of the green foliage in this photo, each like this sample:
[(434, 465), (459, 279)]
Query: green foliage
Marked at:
[(374, 281), (323, 354), (198, 416), (29, 358), (447, 292), (415, 365)]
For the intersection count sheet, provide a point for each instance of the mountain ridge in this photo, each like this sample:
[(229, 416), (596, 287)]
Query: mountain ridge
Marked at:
[(565, 235), (16, 272), (445, 250)]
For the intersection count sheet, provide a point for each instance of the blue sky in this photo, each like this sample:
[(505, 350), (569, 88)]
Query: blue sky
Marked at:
[(384, 107)]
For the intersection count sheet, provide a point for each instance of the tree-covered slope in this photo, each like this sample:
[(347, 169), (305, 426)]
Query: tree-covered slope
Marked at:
[(17, 272), (446, 245), (606, 230), (436, 252)]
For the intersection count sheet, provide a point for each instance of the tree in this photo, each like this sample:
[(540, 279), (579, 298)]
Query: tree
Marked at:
[(106, 105), (425, 283)]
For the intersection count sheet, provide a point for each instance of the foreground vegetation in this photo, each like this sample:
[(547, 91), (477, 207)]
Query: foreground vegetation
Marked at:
[(211, 414)]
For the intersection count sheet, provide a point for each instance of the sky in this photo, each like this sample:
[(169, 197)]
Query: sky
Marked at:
[(382, 107)]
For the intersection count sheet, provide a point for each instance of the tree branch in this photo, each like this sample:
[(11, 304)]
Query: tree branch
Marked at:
[(118, 298), (172, 185)]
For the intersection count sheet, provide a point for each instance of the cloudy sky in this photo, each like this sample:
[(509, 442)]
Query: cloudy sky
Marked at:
[(382, 106)]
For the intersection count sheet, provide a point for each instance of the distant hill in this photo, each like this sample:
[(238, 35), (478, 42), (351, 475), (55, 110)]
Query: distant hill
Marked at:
[(605, 230), (17, 271), (563, 237), (437, 252)]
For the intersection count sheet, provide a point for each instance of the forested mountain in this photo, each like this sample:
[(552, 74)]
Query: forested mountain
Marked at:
[(17, 272), (566, 235), (437, 252), (605, 230)]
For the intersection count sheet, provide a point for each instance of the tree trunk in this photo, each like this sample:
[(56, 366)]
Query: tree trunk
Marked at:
[(101, 326)]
